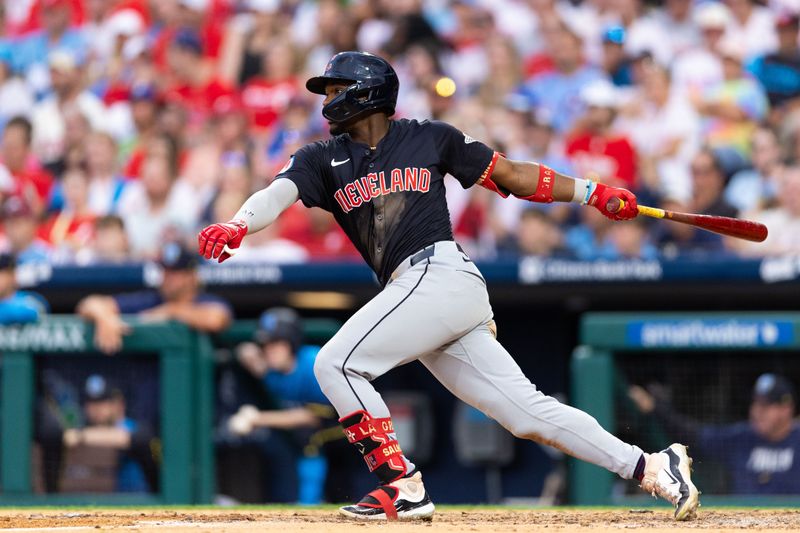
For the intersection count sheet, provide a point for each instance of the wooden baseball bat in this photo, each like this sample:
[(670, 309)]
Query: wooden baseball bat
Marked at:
[(732, 227)]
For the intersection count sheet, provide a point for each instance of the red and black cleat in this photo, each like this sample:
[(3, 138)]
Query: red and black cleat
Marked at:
[(402, 499)]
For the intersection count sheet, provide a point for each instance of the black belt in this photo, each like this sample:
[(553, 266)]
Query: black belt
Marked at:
[(429, 251)]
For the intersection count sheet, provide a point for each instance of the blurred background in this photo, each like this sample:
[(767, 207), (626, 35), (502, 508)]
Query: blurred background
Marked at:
[(129, 369)]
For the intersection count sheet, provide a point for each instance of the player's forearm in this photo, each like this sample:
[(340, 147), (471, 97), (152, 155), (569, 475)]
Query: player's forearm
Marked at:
[(264, 206), (97, 307), (522, 178), (287, 419), (108, 437), (210, 317)]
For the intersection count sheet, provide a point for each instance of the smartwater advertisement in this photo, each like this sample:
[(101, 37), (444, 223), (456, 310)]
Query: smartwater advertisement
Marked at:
[(703, 333)]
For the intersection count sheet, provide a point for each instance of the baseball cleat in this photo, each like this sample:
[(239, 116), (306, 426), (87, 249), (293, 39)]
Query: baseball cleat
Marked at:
[(668, 474), (402, 499)]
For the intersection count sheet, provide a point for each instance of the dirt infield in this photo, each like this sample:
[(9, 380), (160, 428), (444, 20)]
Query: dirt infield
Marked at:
[(449, 520)]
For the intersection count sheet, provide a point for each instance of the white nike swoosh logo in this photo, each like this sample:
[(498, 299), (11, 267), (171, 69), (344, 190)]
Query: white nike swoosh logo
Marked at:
[(335, 163)]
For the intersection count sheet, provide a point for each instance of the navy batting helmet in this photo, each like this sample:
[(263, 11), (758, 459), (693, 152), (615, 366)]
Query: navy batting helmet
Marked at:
[(280, 324), (372, 85)]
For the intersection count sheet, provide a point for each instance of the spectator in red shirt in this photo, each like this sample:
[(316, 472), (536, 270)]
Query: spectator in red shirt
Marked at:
[(267, 96), (20, 226), (595, 147), (31, 182), (195, 86), (192, 15), (73, 227), (34, 20)]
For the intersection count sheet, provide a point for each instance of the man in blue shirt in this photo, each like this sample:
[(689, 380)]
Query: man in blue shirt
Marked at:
[(33, 50), (558, 91), (17, 307), (285, 367), (179, 297), (761, 455)]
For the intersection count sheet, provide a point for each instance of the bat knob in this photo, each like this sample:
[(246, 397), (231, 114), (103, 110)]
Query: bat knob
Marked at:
[(615, 205)]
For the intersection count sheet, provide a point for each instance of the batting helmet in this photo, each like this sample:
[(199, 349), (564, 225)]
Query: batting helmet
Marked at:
[(372, 85), (280, 323)]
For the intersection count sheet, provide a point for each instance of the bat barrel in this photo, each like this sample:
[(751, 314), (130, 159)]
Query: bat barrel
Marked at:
[(732, 227)]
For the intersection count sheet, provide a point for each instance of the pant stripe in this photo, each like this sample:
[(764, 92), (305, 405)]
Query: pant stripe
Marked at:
[(344, 363)]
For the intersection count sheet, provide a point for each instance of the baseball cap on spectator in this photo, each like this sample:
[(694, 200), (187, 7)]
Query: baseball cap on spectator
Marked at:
[(143, 91), (712, 15), (97, 389), (773, 388), (614, 34), (263, 6), (195, 5), (134, 47), (176, 257), (7, 261), (125, 23), (16, 207), (600, 93), (63, 60), (787, 20), (188, 40)]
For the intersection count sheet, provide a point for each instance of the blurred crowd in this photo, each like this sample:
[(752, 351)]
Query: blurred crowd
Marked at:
[(127, 123)]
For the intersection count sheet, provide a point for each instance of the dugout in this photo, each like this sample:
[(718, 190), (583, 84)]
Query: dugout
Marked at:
[(183, 392), (717, 355)]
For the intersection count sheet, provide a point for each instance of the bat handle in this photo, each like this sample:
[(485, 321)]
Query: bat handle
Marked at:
[(653, 212)]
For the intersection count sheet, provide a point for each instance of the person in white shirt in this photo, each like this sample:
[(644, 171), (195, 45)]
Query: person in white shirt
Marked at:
[(66, 77), (753, 26), (152, 208), (665, 152), (783, 221), (106, 186), (700, 68)]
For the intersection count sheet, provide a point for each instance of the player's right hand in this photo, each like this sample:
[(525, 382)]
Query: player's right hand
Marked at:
[(615, 203), (213, 239)]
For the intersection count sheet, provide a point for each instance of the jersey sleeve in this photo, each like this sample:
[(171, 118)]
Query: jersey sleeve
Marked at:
[(461, 156), (305, 170)]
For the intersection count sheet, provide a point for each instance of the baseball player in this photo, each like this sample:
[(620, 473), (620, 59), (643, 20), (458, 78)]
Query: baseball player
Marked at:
[(383, 180)]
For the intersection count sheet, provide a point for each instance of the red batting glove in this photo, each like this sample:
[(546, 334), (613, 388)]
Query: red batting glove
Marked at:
[(213, 239), (623, 206)]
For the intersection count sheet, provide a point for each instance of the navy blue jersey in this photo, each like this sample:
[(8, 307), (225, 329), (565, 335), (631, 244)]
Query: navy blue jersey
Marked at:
[(756, 465), (132, 303), (390, 200)]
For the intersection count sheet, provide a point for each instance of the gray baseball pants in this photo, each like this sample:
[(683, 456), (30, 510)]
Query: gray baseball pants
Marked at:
[(438, 312)]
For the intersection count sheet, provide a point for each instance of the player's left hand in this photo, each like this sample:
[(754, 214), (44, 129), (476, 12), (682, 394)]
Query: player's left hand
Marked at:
[(615, 203), (213, 239)]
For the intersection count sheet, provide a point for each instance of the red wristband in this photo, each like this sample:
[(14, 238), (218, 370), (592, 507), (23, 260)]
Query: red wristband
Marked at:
[(544, 189), (486, 180)]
